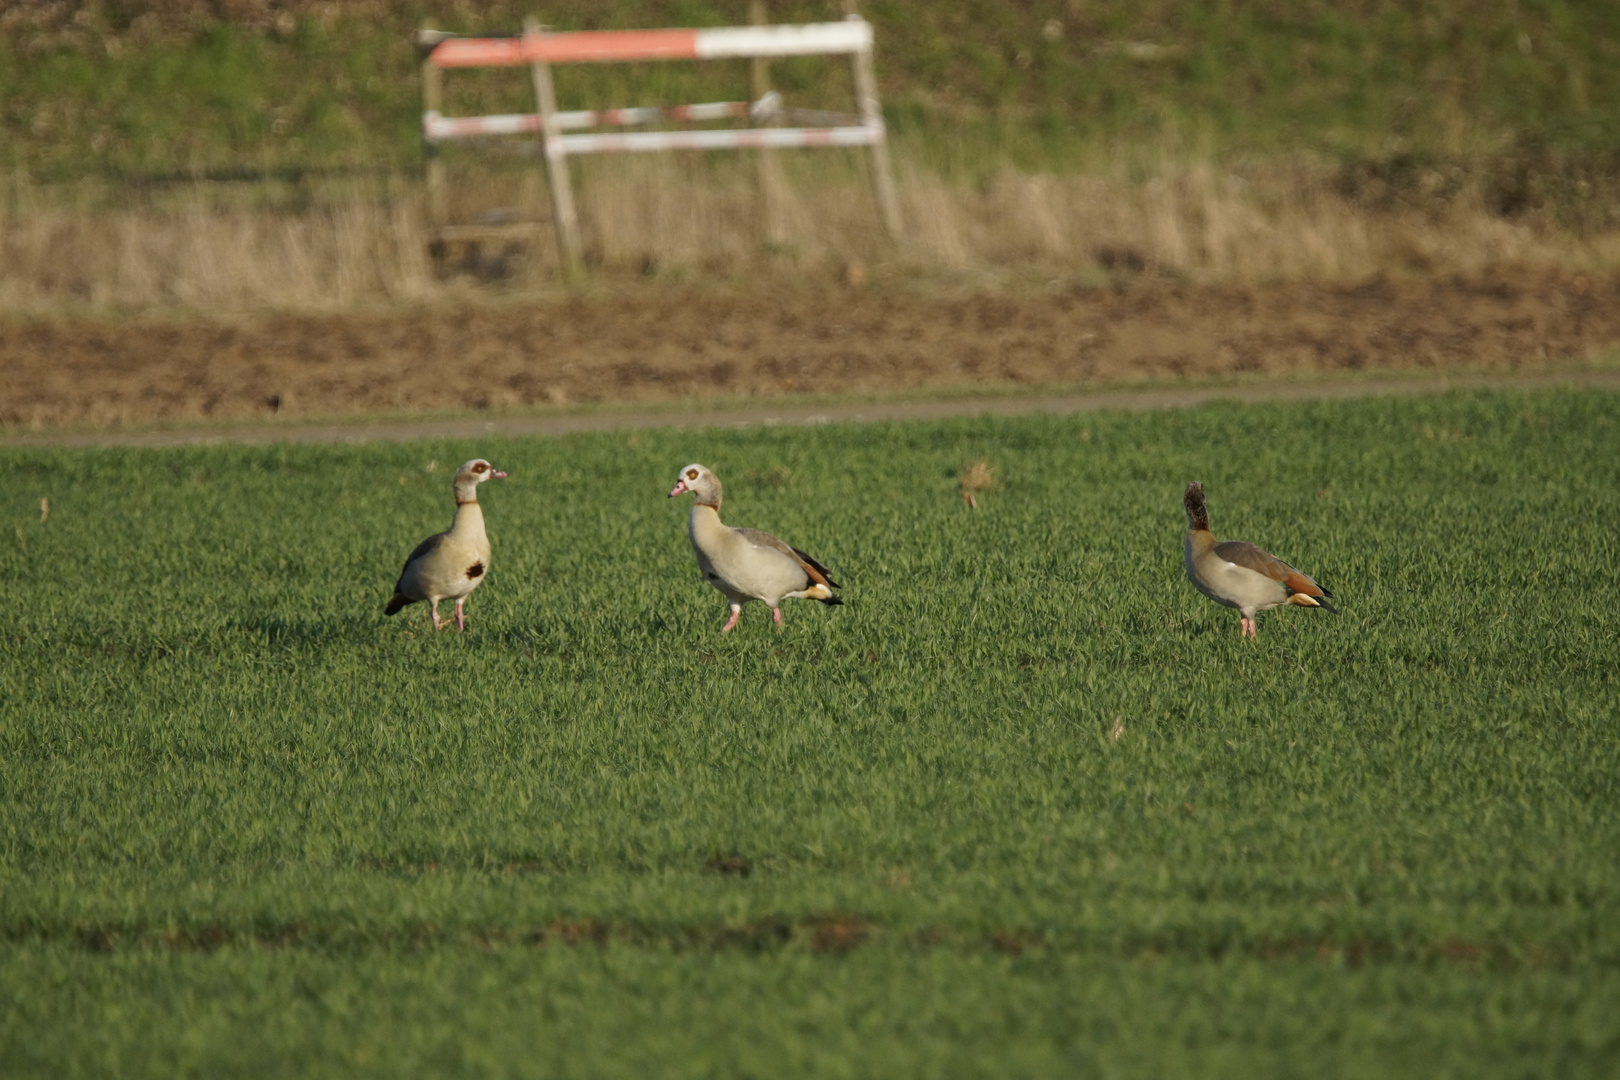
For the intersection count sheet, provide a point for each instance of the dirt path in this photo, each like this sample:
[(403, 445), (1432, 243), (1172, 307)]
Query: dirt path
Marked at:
[(938, 408), (662, 347)]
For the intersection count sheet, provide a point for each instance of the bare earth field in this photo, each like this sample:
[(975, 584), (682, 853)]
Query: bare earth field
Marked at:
[(661, 345)]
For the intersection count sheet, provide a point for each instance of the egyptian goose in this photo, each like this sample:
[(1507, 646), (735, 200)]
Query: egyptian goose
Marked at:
[(450, 565), (1240, 575), (747, 564)]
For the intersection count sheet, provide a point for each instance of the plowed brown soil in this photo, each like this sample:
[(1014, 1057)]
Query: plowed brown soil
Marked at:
[(651, 346)]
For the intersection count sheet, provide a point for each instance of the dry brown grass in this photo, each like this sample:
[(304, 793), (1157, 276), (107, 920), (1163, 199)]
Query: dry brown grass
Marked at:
[(206, 250), (976, 476), (1283, 220), (355, 243)]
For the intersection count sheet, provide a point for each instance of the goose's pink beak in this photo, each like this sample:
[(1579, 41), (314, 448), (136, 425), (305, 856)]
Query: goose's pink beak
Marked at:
[(497, 474), (680, 488)]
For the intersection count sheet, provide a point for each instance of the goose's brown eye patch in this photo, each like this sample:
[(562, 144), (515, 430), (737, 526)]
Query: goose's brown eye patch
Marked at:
[(480, 467), (691, 474)]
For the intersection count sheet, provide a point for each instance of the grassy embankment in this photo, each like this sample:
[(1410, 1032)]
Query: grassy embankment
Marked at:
[(1207, 140), (1025, 805)]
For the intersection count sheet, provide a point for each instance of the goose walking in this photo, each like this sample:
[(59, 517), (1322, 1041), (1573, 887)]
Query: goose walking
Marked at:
[(451, 564), (747, 564), (1240, 575)]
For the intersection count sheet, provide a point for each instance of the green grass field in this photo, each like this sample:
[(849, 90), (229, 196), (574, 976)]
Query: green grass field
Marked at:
[(249, 826)]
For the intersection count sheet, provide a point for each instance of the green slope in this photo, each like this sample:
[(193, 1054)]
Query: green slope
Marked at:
[(143, 87)]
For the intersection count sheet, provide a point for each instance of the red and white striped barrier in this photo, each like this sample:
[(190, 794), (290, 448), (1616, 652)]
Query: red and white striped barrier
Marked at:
[(442, 129), (746, 138), (539, 50), (436, 128), (619, 46)]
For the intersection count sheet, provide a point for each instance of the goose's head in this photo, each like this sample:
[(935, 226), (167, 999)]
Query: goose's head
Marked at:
[(1193, 501), (470, 475), (701, 483)]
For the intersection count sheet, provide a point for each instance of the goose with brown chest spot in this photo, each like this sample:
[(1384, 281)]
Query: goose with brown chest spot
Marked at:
[(451, 564), (1241, 575), (746, 564)]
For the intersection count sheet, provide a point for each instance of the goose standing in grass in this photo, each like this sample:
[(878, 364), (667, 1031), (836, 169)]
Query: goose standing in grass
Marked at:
[(451, 564), (1240, 575), (747, 564)]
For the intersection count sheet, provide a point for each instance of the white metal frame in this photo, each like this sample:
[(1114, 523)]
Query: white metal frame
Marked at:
[(539, 50)]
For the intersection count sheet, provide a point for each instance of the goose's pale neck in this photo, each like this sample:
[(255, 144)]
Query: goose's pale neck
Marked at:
[(469, 520), (704, 523)]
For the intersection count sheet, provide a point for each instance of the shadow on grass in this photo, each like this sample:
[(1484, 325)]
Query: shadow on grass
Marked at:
[(314, 630), (824, 932), (560, 636)]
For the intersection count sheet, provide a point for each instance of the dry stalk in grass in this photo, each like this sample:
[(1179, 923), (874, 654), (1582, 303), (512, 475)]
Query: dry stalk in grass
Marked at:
[(976, 477)]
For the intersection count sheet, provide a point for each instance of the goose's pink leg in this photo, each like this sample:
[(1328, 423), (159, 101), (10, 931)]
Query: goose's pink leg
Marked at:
[(736, 610), (461, 616), (776, 617), (1249, 629), (433, 606)]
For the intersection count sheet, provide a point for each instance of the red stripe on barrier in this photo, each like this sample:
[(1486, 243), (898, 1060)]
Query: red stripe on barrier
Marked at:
[(579, 47), (603, 45), (477, 52)]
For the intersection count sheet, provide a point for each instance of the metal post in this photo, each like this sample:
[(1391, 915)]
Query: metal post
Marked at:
[(770, 175), (562, 194), (433, 101), (872, 114)]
